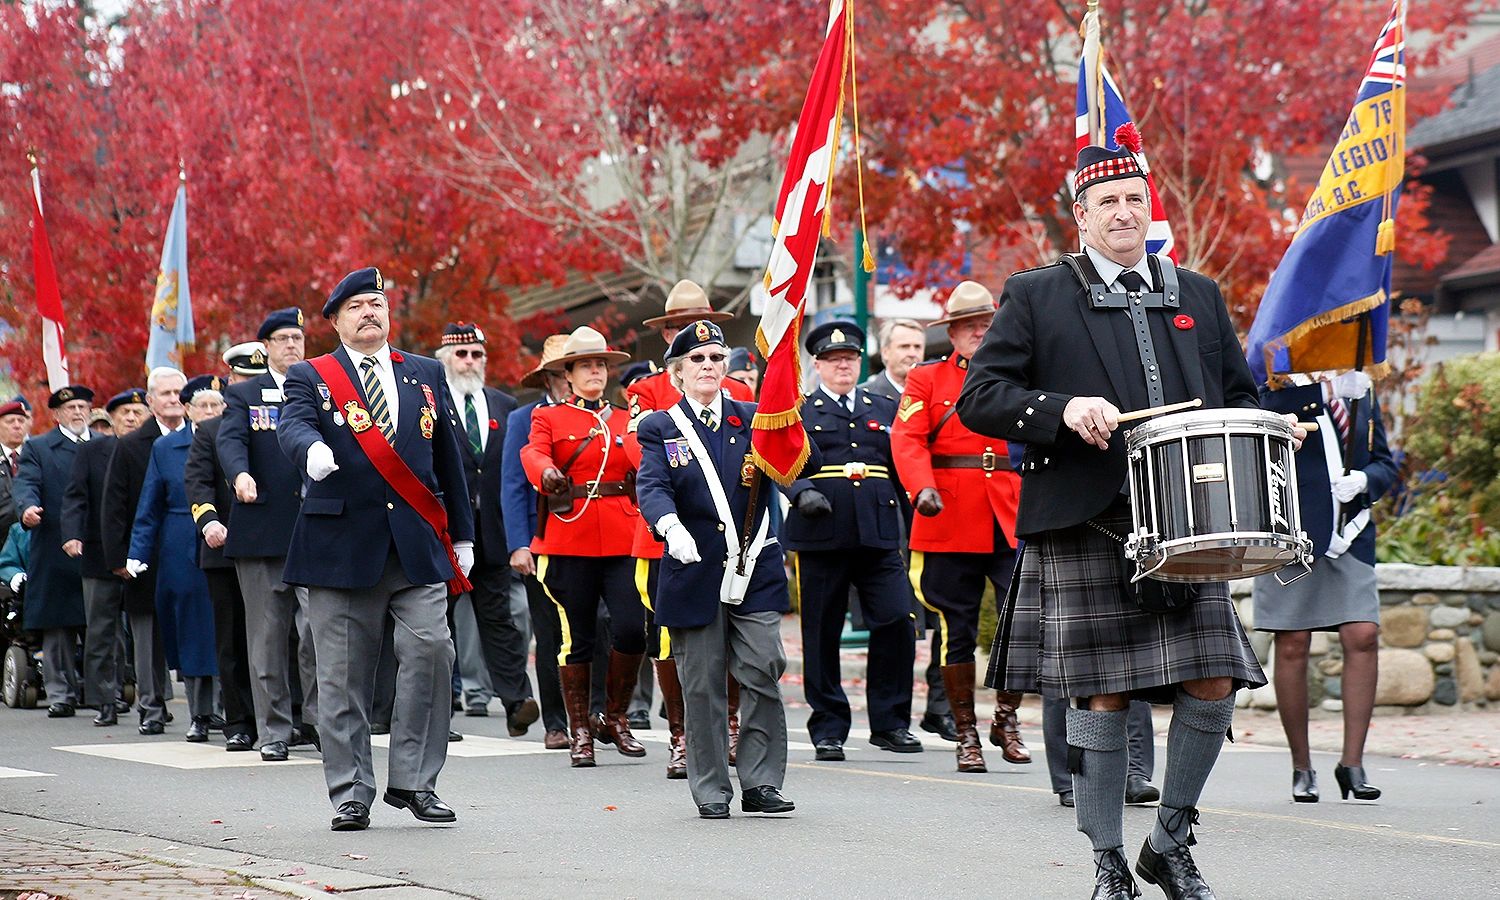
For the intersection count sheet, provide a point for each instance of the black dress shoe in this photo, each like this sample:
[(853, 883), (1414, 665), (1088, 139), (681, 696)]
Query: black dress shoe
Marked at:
[(477, 711), (60, 711), (305, 734), (425, 805), (458, 704), (1065, 798), (520, 716), (454, 737), (765, 799), (239, 743), (1351, 780), (1112, 879), (1139, 789), (352, 816), (380, 727), (273, 752), (713, 810), (639, 719), (1304, 786), (107, 716), (216, 723), (1173, 871), (121, 707), (167, 717), (942, 726), (197, 732), (898, 741), (829, 750), (152, 728)]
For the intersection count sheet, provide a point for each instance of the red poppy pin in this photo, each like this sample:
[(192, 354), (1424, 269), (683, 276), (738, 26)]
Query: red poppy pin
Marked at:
[(1183, 322), (874, 425), (733, 420), (397, 357), (494, 426)]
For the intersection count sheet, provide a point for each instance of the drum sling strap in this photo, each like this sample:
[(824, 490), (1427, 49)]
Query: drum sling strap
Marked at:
[(1135, 304)]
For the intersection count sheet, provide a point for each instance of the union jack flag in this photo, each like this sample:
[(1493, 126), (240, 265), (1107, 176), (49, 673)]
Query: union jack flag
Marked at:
[(1387, 68), (1100, 111)]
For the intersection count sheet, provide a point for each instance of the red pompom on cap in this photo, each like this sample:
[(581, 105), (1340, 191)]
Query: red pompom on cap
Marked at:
[(1128, 137)]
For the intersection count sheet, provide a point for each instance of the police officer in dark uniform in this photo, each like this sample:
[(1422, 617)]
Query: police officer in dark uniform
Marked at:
[(845, 525)]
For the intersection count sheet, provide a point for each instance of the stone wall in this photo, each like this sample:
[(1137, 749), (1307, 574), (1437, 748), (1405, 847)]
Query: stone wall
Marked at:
[(1439, 643)]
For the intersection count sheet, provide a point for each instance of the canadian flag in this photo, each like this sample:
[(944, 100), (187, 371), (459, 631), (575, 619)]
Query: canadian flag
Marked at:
[(778, 442), (48, 298)]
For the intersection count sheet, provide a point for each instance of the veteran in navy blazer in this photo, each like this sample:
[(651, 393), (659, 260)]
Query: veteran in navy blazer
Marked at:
[(716, 623), (366, 554)]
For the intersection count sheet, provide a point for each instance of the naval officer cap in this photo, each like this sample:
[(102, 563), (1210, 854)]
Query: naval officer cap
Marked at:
[(68, 394), (840, 334), (694, 335), (291, 317), (248, 358), (361, 281), (200, 383), (133, 395)]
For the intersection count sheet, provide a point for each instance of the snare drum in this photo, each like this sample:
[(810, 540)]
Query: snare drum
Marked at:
[(1213, 496)]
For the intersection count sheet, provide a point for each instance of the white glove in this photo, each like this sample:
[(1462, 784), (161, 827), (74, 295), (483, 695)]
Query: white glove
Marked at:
[(464, 550), (1347, 487), (680, 544), (135, 567), (1337, 547), (16, 581), (320, 462), (1351, 384)]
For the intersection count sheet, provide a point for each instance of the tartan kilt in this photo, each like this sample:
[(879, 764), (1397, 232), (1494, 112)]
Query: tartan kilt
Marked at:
[(1070, 627)]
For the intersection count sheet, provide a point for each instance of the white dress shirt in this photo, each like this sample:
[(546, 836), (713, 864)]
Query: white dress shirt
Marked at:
[(716, 406), (481, 411), (384, 372), (75, 438), (1110, 271), (838, 398)]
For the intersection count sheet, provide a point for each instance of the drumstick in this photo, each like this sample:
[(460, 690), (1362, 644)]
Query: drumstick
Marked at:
[(1308, 426), (1159, 410)]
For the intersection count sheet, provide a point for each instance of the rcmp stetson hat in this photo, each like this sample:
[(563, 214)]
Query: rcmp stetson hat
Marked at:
[(551, 349), (461, 333), (134, 395), (694, 335), (248, 358), (840, 334), (361, 281), (67, 394), (291, 317), (585, 343), (969, 299), (12, 408), (636, 371), (742, 360), (687, 302), (1097, 165), (200, 383)]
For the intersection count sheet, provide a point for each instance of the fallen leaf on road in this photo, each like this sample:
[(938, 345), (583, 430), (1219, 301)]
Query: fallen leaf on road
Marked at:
[(216, 821), (293, 872), (330, 889), (356, 856), (611, 808)]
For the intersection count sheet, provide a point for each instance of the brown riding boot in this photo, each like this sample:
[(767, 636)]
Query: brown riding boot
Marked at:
[(576, 686), (1005, 732), (734, 721), (624, 668), (671, 698), (959, 683)]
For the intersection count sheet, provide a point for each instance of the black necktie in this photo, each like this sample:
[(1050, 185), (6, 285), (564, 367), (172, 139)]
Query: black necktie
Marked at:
[(847, 402), (1132, 281)]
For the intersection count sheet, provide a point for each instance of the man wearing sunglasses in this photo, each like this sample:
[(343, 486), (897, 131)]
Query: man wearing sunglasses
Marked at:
[(846, 526), (482, 413)]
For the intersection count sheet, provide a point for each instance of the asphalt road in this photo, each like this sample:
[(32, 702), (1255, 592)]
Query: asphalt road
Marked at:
[(878, 825)]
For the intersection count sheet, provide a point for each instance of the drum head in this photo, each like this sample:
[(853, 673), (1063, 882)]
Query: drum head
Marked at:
[(1222, 558)]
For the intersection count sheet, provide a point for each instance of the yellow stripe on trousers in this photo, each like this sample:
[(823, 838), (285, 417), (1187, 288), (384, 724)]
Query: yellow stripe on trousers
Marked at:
[(564, 632), (918, 562), (643, 587)]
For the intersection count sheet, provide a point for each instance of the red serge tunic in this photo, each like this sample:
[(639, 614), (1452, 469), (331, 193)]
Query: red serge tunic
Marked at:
[(601, 526)]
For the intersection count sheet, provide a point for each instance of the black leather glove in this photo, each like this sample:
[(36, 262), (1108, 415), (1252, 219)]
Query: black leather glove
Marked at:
[(813, 504), (928, 503)]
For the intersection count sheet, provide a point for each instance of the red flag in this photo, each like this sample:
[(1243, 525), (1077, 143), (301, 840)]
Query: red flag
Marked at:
[(48, 298), (779, 445)]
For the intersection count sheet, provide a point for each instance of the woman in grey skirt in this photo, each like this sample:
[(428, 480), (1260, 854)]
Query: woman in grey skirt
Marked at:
[(1337, 480)]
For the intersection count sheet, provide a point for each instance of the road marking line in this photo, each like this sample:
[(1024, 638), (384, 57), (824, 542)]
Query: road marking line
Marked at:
[(1378, 830), (8, 772), (181, 755), (478, 745)]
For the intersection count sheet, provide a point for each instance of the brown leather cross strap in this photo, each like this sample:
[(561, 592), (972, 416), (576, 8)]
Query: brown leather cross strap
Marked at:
[(989, 462), (602, 489)]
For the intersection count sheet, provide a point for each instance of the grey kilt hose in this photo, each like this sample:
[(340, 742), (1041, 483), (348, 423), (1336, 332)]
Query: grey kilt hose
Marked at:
[(1070, 628)]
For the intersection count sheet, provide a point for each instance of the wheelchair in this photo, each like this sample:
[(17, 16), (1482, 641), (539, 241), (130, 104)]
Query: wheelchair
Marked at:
[(21, 687)]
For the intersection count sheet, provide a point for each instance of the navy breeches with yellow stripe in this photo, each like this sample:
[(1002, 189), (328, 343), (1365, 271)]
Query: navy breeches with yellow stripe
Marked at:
[(576, 585), (951, 585)]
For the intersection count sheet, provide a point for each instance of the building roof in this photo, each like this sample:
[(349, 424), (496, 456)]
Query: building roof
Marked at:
[(1479, 269), (1474, 109)]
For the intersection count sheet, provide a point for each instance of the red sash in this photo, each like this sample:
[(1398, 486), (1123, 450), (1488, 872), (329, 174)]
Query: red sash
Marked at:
[(389, 463)]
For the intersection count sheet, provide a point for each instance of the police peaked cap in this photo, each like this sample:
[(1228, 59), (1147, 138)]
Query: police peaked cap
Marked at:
[(742, 360), (694, 335), (133, 395), (67, 394), (291, 317), (361, 281), (840, 334)]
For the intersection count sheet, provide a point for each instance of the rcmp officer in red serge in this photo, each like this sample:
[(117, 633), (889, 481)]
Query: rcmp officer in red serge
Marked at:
[(385, 530), (1074, 344), (845, 524), (964, 493), (576, 460), (267, 492), (703, 496)]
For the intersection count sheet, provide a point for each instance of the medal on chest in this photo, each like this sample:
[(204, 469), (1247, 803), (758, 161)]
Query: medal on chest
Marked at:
[(678, 453), (428, 414), (359, 420)]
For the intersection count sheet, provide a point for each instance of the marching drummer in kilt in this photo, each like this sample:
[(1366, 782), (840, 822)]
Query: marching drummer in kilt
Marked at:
[(1074, 344)]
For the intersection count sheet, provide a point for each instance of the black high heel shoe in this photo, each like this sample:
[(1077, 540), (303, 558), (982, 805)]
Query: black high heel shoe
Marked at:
[(1351, 780), (1304, 785)]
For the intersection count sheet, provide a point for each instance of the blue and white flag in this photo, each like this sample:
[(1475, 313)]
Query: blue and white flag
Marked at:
[(171, 324)]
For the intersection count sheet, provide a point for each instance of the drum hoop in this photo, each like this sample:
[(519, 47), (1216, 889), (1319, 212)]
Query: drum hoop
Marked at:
[(1227, 422)]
